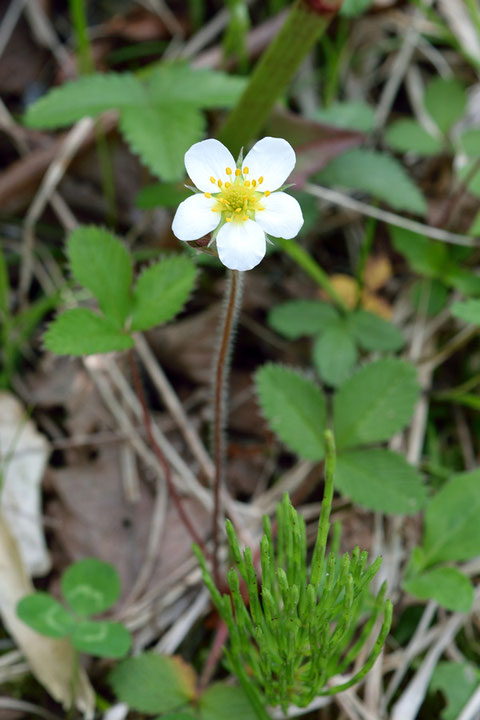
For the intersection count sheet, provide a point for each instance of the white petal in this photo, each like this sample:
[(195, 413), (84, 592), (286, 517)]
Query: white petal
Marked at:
[(194, 218), (207, 159), (282, 216), (270, 158), (241, 245)]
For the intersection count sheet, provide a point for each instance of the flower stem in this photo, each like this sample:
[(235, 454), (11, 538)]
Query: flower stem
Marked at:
[(305, 24), (233, 296)]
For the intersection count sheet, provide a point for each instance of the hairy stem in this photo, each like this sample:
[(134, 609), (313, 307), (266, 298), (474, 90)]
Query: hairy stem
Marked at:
[(306, 22), (137, 383), (233, 298)]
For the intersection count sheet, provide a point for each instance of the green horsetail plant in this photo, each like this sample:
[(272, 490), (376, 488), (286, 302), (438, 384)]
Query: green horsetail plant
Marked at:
[(297, 628)]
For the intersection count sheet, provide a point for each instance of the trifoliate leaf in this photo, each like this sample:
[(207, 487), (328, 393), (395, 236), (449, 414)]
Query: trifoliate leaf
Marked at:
[(295, 318), (449, 587), (351, 115), (407, 135), (90, 586), (445, 101), (88, 96), (377, 174), (44, 614), (161, 135), (101, 638), (373, 332), (295, 409), (221, 701), (101, 263), (468, 311), (83, 332), (335, 353), (152, 683), (375, 403), (161, 292), (380, 480), (457, 681), (452, 530), (178, 83)]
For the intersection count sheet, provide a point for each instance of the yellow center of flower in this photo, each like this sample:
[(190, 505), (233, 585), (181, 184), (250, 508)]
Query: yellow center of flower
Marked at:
[(239, 199)]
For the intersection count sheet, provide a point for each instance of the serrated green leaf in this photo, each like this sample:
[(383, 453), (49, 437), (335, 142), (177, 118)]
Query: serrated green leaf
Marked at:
[(449, 587), (44, 614), (468, 311), (452, 530), (466, 281), (152, 683), (335, 353), (377, 174), (351, 115), (353, 8), (161, 292), (160, 135), (470, 142), (375, 403), (457, 681), (373, 332), (445, 101), (407, 135), (425, 256), (295, 318), (88, 96), (294, 407), (101, 638), (222, 701), (90, 586), (380, 480), (100, 262), (161, 195), (179, 83), (83, 332)]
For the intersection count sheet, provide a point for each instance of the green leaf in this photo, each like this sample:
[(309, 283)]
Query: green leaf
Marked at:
[(90, 586), (425, 256), (178, 83), (161, 195), (335, 354), (465, 174), (44, 614), (407, 135), (101, 263), (470, 142), (351, 115), (88, 96), (466, 281), (161, 291), (468, 311), (475, 226), (294, 407), (178, 716), (429, 296), (452, 529), (101, 638), (457, 681), (83, 332), (353, 8), (295, 318), (222, 701), (375, 403), (152, 683), (377, 174), (373, 332), (445, 101), (380, 480), (161, 135), (449, 587)]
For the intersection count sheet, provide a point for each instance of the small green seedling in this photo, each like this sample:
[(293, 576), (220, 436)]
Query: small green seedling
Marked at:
[(300, 626), (89, 587)]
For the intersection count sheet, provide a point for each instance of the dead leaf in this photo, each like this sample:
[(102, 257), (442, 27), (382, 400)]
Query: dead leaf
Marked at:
[(50, 660), (23, 457), (378, 271)]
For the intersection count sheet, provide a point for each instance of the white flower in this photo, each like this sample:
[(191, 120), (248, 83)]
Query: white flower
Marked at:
[(239, 204)]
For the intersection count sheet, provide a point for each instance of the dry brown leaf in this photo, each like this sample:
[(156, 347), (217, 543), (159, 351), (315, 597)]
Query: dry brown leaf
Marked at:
[(378, 271), (348, 290), (50, 660)]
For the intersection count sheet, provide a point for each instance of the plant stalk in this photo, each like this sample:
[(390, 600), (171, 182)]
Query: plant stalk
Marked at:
[(305, 24), (233, 296)]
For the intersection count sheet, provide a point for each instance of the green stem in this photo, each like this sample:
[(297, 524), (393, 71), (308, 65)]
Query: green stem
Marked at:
[(312, 268), (306, 23)]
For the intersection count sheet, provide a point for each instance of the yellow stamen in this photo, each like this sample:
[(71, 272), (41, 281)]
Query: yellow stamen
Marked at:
[(254, 183), (260, 179), (208, 195), (260, 207), (228, 219), (219, 183), (214, 210), (238, 209), (238, 172), (245, 217), (245, 171), (228, 171), (212, 180), (266, 193), (247, 183), (227, 184)]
